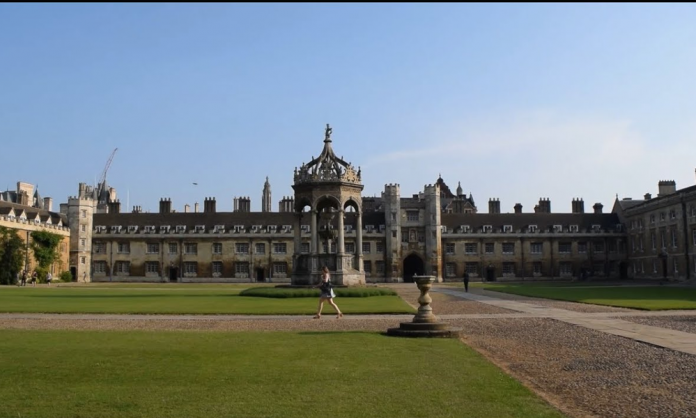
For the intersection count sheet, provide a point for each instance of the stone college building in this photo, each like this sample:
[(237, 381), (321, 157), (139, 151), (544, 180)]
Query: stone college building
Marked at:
[(379, 239)]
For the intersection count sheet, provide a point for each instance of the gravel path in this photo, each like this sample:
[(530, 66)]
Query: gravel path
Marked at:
[(584, 373), (678, 323)]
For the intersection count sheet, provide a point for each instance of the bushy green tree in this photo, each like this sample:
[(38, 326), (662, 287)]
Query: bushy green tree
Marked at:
[(44, 245), (11, 255)]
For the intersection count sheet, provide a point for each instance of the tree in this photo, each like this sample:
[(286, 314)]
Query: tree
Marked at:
[(11, 255), (44, 245)]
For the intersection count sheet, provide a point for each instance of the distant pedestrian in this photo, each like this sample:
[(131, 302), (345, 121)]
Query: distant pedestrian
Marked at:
[(327, 293), (466, 281), (49, 277), (84, 277), (24, 278), (34, 275)]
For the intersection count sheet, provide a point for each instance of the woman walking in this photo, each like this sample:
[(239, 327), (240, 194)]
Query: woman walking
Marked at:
[(327, 293)]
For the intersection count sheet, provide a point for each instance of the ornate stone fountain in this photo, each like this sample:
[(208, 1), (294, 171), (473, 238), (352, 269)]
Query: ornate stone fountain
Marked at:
[(425, 323)]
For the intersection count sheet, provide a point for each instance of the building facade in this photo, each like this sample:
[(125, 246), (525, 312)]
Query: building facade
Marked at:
[(375, 239), (24, 211), (661, 232)]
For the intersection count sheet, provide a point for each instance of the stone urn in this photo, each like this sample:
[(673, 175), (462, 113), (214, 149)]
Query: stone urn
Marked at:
[(425, 323)]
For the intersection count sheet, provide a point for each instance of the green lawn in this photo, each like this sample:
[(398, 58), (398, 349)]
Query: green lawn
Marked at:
[(179, 300), (228, 374), (653, 298)]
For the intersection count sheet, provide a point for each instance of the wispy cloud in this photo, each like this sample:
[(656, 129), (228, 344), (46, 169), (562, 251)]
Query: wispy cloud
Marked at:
[(531, 154)]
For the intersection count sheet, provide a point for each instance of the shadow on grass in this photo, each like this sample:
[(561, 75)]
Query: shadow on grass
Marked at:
[(125, 296), (328, 333)]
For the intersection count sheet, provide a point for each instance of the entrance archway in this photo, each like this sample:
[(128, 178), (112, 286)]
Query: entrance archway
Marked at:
[(413, 265)]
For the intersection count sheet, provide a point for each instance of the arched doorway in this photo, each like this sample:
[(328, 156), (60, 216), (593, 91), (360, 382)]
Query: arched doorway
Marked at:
[(413, 265)]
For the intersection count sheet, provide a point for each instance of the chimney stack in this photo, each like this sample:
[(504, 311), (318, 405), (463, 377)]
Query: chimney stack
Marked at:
[(48, 204), (209, 205), (597, 207), (647, 196), (187, 208), (165, 205), (242, 204), (195, 207), (544, 205), (287, 204), (114, 207), (666, 187), (493, 205), (578, 205), (518, 208)]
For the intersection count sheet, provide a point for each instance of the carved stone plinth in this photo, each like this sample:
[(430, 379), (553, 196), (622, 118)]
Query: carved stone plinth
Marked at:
[(425, 323)]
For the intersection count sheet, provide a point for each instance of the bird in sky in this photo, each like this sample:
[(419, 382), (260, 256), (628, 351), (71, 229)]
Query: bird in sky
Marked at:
[(195, 184)]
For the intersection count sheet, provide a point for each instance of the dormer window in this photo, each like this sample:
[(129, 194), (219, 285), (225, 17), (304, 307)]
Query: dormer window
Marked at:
[(132, 228), (304, 228), (287, 228), (100, 228), (369, 228), (382, 228), (532, 228), (256, 228), (596, 228), (558, 228), (619, 228), (149, 228), (238, 229), (573, 228), (465, 228), (271, 228), (507, 228), (488, 228), (164, 229), (180, 229), (348, 228), (116, 229), (219, 229), (443, 228), (200, 228)]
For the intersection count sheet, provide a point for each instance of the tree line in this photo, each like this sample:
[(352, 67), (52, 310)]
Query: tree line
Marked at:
[(13, 252)]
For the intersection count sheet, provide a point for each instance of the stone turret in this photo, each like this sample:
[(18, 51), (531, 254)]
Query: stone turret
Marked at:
[(80, 220), (266, 197), (433, 232), (392, 219)]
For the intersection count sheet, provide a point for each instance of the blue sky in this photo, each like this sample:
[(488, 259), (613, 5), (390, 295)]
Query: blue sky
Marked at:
[(515, 101)]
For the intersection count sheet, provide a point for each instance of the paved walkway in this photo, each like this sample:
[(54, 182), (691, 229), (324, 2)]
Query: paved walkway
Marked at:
[(601, 321)]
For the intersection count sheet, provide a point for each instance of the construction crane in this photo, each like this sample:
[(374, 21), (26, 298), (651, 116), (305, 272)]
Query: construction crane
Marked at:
[(101, 186)]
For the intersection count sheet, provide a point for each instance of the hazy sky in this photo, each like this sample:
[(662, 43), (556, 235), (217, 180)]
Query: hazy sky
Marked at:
[(515, 101)]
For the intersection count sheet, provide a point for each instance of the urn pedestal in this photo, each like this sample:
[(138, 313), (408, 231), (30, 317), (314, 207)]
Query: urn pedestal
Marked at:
[(425, 323)]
